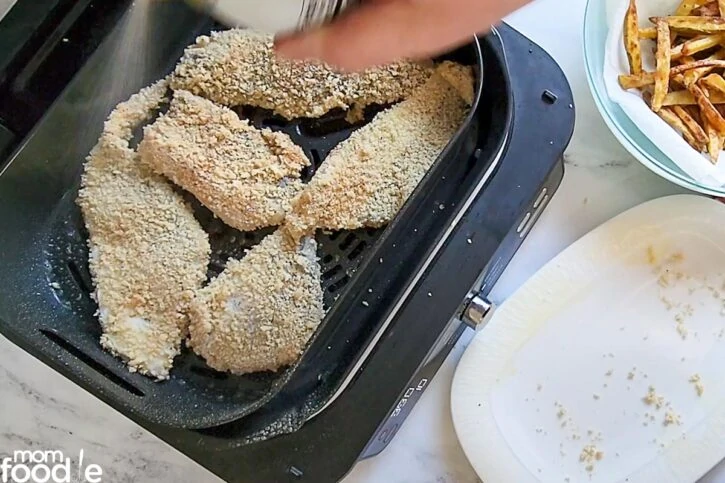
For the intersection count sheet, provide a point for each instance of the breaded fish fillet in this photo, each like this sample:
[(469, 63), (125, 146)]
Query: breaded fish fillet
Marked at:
[(367, 178), (246, 176), (239, 67), (260, 312), (147, 252), (460, 77)]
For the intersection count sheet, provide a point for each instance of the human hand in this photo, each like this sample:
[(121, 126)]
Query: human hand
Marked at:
[(382, 31)]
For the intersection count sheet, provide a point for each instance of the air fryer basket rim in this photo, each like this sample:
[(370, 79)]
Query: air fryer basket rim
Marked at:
[(119, 391)]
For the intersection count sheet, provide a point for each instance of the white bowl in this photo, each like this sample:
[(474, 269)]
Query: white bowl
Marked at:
[(626, 132)]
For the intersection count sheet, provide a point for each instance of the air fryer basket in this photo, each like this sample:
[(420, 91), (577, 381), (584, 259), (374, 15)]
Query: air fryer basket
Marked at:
[(45, 303)]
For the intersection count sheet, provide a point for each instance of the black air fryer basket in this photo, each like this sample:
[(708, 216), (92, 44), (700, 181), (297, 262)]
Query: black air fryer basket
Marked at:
[(45, 300)]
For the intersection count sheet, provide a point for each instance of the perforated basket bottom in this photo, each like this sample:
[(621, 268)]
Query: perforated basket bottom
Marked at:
[(340, 254)]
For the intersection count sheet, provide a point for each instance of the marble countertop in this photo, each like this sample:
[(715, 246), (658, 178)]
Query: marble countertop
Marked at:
[(5, 5), (41, 410)]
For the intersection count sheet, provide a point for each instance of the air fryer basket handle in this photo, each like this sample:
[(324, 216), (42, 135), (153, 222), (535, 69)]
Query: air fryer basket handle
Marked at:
[(544, 117)]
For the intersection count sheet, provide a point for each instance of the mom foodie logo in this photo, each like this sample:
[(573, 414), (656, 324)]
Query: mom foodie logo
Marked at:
[(47, 467)]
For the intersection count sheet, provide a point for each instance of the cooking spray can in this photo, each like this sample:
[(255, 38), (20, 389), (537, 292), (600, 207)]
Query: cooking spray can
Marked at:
[(274, 16)]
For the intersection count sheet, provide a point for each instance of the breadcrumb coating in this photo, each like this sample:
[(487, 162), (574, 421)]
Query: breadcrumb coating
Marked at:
[(260, 312), (147, 252), (239, 67), (460, 77), (245, 176), (367, 178)]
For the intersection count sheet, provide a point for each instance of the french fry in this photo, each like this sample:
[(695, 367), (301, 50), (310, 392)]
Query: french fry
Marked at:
[(715, 143), (697, 132), (685, 98), (721, 138), (662, 72), (694, 112), (698, 44), (694, 75), (636, 81), (710, 9), (714, 63), (708, 111), (715, 83), (676, 123), (678, 79), (631, 39), (687, 6), (697, 25), (721, 7), (679, 98), (676, 52), (630, 81), (648, 33)]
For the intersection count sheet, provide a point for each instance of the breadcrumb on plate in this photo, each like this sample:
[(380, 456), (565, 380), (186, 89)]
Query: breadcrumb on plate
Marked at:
[(696, 380), (239, 67), (367, 178), (245, 176), (260, 312), (147, 252)]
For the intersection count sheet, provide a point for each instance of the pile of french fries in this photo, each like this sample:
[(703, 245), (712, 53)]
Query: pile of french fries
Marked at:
[(687, 88)]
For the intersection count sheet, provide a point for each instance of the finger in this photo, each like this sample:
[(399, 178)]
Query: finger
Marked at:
[(382, 32)]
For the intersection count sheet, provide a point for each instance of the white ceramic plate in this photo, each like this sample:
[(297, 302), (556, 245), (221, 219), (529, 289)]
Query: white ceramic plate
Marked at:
[(567, 361)]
